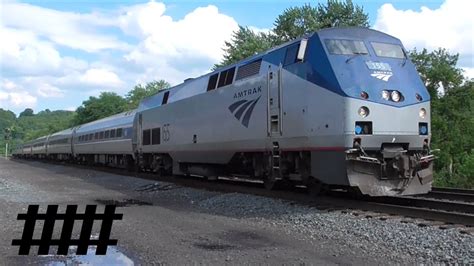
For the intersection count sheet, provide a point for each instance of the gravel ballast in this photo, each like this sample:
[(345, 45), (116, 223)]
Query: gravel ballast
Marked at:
[(171, 224), (394, 238)]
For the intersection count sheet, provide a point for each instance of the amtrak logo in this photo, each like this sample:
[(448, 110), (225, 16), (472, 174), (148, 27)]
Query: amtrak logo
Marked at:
[(382, 75), (243, 109)]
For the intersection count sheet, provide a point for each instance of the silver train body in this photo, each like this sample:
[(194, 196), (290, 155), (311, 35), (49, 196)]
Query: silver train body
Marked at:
[(341, 107)]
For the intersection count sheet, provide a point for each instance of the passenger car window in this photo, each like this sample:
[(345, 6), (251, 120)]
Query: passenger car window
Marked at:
[(119, 132), (388, 50), (345, 47)]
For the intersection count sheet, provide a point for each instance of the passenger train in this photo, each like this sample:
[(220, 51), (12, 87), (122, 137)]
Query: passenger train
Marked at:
[(341, 107)]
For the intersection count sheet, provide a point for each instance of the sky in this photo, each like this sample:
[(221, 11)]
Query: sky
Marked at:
[(55, 54)]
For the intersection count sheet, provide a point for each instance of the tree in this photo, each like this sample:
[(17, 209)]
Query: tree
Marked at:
[(27, 112), (341, 14), (292, 23), (452, 115), (452, 126), (107, 104), (43, 123), (438, 70), (244, 43), (6, 118), (139, 92), (296, 21)]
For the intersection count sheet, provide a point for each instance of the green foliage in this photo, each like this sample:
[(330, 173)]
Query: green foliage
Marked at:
[(244, 43), (139, 92), (452, 116), (29, 127), (41, 124), (27, 112), (437, 68), (466, 169), (297, 21), (7, 118), (107, 104), (292, 23), (341, 14)]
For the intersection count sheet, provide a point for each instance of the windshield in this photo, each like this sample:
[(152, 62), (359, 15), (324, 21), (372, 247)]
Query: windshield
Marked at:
[(388, 50), (346, 47)]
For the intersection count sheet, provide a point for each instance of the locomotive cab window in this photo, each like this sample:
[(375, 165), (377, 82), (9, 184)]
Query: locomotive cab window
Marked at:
[(345, 47), (165, 98), (388, 50), (291, 53)]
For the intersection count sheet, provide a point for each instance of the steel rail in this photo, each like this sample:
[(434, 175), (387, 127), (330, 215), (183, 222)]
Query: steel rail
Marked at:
[(433, 204), (455, 196), (453, 190)]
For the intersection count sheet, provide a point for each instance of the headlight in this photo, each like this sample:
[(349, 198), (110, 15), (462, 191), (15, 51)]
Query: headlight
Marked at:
[(385, 95), (363, 111), (364, 95), (395, 96), (422, 113)]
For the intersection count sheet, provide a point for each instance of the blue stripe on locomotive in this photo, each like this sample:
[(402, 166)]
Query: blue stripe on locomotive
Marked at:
[(334, 73)]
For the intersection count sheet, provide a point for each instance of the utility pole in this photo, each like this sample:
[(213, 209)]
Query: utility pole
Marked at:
[(7, 135)]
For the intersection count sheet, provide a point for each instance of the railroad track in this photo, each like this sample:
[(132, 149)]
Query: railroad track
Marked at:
[(449, 212), (454, 194), (423, 210)]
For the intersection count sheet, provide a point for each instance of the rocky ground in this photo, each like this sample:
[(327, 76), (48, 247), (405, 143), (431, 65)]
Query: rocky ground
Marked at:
[(166, 223)]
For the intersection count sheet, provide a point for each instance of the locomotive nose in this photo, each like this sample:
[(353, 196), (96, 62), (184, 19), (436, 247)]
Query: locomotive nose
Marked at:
[(375, 123)]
